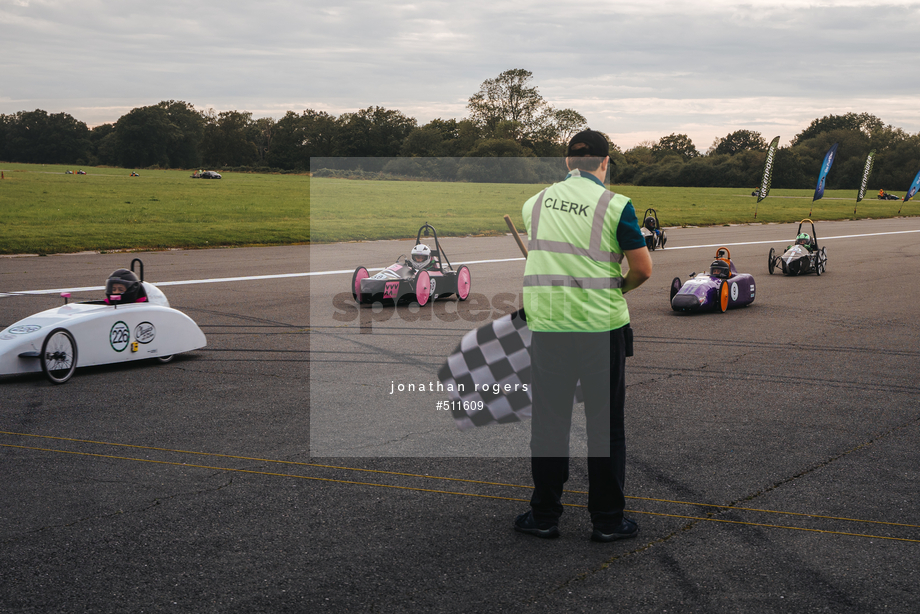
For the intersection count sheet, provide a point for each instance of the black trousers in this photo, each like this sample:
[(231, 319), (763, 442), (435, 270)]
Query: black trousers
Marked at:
[(558, 362)]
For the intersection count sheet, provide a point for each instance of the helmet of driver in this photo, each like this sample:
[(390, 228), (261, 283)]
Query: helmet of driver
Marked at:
[(420, 256), (720, 269), (802, 239), (122, 287), (650, 223)]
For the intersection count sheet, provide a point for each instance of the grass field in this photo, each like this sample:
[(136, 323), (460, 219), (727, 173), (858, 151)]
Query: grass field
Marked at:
[(47, 211)]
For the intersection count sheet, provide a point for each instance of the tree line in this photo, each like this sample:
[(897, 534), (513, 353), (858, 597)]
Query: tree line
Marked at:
[(508, 118)]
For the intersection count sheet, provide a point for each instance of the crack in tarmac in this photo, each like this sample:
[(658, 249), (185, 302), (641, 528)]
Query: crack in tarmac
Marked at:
[(119, 512), (729, 508)]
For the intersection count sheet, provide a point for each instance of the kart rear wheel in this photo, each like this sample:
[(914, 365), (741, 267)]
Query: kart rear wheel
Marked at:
[(422, 288), (724, 294), (818, 270), (165, 359), (771, 260), (822, 259), (664, 238), (360, 273), (59, 356), (464, 281)]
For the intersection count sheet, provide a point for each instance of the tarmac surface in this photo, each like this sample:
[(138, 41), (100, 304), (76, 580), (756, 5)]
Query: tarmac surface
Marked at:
[(772, 451)]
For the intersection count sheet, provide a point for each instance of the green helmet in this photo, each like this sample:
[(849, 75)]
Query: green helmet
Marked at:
[(802, 239)]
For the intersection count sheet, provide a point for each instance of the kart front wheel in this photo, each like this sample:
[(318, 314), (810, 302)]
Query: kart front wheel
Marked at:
[(771, 260), (165, 359), (724, 293), (675, 288), (422, 288), (664, 238), (59, 356), (464, 281), (822, 259), (360, 273)]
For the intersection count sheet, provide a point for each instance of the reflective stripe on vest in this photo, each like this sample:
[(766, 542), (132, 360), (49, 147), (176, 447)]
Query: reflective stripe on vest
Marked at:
[(593, 251), (585, 283)]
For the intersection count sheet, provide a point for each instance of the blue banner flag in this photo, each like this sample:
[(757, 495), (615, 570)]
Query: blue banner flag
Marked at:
[(825, 167), (913, 188)]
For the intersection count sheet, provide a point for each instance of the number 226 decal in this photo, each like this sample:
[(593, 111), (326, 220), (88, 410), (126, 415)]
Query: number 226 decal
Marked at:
[(119, 336)]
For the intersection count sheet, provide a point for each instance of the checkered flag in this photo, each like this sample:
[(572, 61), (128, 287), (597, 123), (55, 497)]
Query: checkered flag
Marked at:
[(492, 366)]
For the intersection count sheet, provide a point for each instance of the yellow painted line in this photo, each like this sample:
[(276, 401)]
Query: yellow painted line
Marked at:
[(434, 477), (444, 492)]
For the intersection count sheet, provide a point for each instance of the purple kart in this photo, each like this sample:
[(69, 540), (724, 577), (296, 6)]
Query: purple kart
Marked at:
[(404, 283), (720, 289)]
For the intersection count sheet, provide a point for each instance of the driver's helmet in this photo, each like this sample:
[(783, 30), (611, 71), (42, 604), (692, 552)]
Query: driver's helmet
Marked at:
[(650, 223), (420, 256), (720, 269), (122, 287), (802, 239)]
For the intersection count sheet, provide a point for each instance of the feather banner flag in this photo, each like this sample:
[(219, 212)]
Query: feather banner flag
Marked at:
[(913, 188), (825, 167), (870, 159), (822, 176), (767, 172)]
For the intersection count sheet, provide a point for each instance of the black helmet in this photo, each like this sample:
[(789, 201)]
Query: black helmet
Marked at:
[(720, 269), (122, 287), (650, 223)]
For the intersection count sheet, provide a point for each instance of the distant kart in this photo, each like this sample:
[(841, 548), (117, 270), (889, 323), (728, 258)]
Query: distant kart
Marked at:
[(651, 230), (404, 283), (209, 175), (883, 195), (802, 257), (56, 341), (721, 289)]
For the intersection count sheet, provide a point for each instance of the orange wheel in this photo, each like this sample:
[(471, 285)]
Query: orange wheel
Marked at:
[(724, 291)]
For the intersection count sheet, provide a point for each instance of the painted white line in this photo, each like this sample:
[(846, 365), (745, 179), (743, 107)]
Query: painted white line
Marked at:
[(220, 280), (788, 239)]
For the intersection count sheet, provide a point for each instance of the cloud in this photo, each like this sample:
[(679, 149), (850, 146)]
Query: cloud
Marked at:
[(630, 67)]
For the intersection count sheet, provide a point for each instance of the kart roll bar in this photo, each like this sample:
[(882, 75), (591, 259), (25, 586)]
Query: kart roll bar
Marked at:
[(814, 235), (437, 246), (138, 260)]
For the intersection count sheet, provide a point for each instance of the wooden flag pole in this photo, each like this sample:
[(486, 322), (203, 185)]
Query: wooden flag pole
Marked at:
[(515, 234)]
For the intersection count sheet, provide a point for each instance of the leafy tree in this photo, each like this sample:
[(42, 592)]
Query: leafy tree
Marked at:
[(260, 133), (103, 140), (679, 144), (740, 140), (863, 122), (226, 140), (372, 132), (166, 134), (498, 148), (509, 98), (142, 137), (183, 148), (37, 137)]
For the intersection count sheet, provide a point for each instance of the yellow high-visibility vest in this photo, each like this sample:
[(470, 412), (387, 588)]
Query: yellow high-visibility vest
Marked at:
[(572, 278)]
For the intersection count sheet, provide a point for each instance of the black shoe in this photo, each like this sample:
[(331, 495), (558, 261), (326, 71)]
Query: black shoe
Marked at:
[(627, 529), (526, 523)]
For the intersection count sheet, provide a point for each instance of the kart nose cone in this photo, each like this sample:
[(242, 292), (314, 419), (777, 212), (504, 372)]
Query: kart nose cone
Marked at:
[(685, 302)]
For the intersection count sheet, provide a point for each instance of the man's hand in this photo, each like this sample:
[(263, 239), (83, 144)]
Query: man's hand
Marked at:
[(640, 268)]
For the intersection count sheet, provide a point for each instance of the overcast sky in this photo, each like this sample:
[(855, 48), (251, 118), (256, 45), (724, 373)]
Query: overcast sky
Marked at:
[(637, 70)]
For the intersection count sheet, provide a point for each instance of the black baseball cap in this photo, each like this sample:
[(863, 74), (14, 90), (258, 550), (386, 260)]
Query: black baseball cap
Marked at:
[(591, 143)]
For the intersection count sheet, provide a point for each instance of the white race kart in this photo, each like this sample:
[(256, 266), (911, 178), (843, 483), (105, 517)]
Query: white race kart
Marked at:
[(56, 341)]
